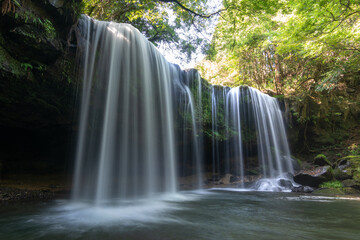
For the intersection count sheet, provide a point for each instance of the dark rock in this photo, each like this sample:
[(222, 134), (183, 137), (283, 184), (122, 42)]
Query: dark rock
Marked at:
[(37, 87), (314, 178), (285, 183), (64, 13), (302, 189), (234, 179), (29, 43)]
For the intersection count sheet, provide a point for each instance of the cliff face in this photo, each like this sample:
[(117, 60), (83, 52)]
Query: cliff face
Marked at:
[(37, 84), (325, 121)]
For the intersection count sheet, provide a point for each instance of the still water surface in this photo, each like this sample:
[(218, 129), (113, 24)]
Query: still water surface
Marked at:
[(212, 214)]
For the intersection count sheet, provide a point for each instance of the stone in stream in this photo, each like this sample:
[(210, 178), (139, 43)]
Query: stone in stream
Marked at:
[(302, 189), (285, 183)]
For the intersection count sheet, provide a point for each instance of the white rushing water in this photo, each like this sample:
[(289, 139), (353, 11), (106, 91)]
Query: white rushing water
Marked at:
[(142, 122), (126, 144)]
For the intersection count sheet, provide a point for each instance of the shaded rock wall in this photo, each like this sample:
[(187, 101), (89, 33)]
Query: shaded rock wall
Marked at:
[(326, 120), (37, 85)]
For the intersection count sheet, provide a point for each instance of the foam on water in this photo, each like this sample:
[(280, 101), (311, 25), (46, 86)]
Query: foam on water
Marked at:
[(122, 213)]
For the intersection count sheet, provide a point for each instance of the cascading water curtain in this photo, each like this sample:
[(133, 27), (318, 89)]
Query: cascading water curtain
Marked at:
[(126, 143), (273, 148), (254, 116)]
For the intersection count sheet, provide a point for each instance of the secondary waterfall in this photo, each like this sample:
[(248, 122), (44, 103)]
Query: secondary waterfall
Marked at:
[(256, 139), (144, 123)]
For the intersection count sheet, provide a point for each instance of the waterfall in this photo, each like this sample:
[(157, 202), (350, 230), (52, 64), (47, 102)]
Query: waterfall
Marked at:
[(126, 144), (142, 122), (252, 116), (191, 110)]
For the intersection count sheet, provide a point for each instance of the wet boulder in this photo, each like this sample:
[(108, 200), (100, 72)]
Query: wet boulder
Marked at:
[(302, 189), (348, 171), (314, 177), (285, 183)]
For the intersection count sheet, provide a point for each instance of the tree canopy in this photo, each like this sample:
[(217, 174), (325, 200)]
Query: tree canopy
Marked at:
[(283, 45), (163, 21), (309, 45)]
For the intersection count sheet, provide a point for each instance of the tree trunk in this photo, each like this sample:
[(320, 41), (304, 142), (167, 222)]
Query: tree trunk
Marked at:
[(278, 75)]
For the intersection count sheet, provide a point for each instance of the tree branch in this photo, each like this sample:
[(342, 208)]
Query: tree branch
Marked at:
[(342, 20), (191, 11)]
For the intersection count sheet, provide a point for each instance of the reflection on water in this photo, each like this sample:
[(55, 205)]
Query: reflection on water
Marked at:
[(211, 214)]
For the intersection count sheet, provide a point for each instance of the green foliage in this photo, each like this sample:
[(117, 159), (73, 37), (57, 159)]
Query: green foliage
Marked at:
[(47, 25), (27, 66), (354, 149), (43, 23), (331, 184), (77, 7), (295, 46), (161, 22), (320, 156)]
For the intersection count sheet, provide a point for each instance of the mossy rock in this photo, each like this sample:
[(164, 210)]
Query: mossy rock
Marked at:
[(321, 160), (330, 191), (342, 174), (351, 191), (354, 160), (351, 183)]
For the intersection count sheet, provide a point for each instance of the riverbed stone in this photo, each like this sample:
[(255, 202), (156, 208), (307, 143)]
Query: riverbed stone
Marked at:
[(302, 189)]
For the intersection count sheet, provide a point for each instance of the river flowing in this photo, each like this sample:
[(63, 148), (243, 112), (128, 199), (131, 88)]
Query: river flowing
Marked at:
[(212, 214)]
